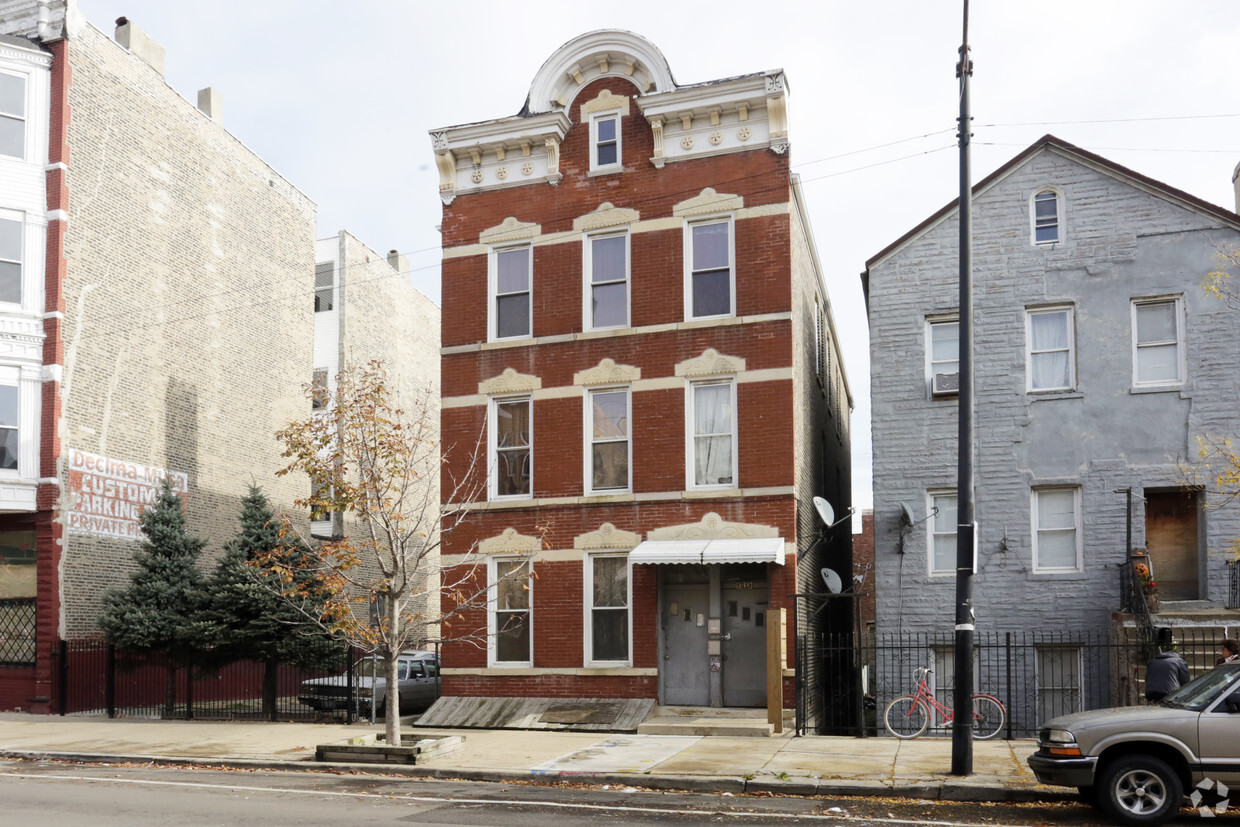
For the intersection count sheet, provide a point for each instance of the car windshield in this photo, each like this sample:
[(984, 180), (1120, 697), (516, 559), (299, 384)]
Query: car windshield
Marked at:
[(1199, 693), (369, 668)]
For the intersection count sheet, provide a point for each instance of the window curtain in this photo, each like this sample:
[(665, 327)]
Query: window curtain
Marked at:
[(512, 447), (712, 428), (1049, 362)]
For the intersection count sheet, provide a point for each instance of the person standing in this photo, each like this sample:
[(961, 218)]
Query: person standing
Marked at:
[(1167, 671), (1229, 651)]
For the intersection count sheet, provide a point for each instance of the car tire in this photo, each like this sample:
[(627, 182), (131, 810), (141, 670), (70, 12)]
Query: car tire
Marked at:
[(1140, 789)]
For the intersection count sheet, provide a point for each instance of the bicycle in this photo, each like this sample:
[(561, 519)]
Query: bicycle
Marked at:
[(908, 716)]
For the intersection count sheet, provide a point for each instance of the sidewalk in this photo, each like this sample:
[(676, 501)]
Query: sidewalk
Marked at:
[(814, 765)]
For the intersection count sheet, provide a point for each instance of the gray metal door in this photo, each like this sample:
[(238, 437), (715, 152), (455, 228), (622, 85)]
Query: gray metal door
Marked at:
[(686, 668), (746, 598)]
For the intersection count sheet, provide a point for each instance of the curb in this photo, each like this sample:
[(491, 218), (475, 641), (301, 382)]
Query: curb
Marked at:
[(950, 790)]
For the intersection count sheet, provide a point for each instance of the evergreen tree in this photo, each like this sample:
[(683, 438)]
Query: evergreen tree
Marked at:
[(243, 615), (155, 613)]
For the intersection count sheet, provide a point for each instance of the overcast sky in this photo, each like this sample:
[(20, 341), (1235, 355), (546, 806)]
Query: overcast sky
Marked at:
[(339, 97)]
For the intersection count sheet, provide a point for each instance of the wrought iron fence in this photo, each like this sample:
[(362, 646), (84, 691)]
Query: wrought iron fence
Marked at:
[(94, 678), (17, 631), (1036, 675), (1233, 584)]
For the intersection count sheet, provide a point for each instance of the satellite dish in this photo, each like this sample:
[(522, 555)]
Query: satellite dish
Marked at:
[(825, 512), (832, 581), (906, 515)]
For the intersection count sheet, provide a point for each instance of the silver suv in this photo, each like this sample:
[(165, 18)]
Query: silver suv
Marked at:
[(1135, 763)]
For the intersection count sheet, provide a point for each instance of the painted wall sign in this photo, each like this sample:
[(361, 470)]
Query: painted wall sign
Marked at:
[(106, 496)]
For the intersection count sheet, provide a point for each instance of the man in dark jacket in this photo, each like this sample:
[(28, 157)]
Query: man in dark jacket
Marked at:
[(1167, 672)]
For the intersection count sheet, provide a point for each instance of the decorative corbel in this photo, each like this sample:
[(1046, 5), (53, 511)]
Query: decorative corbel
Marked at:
[(629, 63), (447, 175), (500, 151), (777, 115), (553, 160), (525, 147), (714, 116), (602, 63), (656, 129), (742, 112), (475, 155), (574, 72), (686, 121)]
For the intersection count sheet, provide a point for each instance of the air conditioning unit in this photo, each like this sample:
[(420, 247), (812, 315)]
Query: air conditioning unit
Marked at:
[(945, 384)]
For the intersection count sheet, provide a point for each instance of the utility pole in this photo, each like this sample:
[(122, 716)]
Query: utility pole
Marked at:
[(962, 726)]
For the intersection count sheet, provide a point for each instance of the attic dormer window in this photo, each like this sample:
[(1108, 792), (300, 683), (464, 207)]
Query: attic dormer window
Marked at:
[(605, 142), (1046, 217)]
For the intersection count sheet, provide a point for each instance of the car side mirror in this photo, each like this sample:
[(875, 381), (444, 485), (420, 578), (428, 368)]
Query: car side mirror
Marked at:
[(1232, 703)]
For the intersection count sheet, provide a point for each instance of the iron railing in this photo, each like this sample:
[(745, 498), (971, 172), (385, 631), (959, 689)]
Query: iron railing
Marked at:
[(1132, 600), (1233, 584)]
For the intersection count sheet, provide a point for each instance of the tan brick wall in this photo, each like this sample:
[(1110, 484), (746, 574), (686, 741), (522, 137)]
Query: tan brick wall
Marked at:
[(188, 303)]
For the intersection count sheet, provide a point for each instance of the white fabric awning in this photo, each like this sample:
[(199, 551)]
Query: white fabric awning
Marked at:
[(700, 552)]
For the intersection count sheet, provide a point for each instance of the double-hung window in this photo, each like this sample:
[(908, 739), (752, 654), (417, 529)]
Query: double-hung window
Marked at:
[(607, 595), (319, 393), (1157, 342), (512, 271), (10, 257), (324, 286), (12, 115), (510, 613), (511, 448), (1046, 217), (712, 435), (605, 142), (607, 281), (943, 356), (1057, 529), (608, 453), (943, 532), (712, 283), (8, 427), (1051, 364)]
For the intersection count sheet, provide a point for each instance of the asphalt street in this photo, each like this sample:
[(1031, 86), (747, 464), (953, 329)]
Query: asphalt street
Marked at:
[(38, 793)]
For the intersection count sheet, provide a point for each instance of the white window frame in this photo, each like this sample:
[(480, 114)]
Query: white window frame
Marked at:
[(1059, 216), (595, 166), (588, 432), (1077, 527), (690, 442), (328, 291), (18, 218), (1181, 368), (1068, 650), (728, 219), (932, 498), (931, 323), (1071, 347), (22, 117), (493, 612), (587, 269), (493, 447), (588, 605), (493, 294)]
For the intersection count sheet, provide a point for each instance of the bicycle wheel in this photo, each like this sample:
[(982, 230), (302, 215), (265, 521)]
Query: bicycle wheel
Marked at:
[(906, 717), (988, 717)]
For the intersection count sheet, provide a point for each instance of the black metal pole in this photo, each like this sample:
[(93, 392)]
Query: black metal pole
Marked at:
[(109, 687), (962, 726), (63, 676)]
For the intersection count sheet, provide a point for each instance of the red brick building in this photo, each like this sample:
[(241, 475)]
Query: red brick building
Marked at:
[(635, 317)]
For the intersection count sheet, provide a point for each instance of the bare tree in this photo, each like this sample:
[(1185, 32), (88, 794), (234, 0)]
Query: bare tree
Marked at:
[(380, 465)]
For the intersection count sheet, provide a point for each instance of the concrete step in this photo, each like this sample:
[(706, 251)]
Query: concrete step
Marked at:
[(734, 727)]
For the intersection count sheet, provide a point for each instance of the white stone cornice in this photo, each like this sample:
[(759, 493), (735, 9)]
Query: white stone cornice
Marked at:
[(712, 527), (33, 56), (606, 102), (508, 230), (604, 53), (605, 216), (607, 372), (509, 382), (510, 542), (710, 363), (708, 202), (607, 536)]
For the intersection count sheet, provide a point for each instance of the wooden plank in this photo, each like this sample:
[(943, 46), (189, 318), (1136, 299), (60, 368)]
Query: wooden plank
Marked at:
[(776, 637)]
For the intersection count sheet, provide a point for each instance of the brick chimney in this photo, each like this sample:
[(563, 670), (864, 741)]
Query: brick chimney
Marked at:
[(140, 43)]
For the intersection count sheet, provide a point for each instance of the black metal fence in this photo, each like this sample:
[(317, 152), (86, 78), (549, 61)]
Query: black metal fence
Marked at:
[(1036, 675), (1233, 584), (94, 678), (17, 631)]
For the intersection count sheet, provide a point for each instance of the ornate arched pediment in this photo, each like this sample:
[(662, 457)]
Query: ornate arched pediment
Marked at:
[(707, 202), (710, 363), (509, 382), (510, 229), (510, 542), (607, 536), (603, 53), (605, 216), (712, 527), (607, 372)]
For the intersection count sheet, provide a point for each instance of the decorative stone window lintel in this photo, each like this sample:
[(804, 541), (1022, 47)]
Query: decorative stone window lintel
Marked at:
[(607, 372), (607, 536), (509, 382), (712, 527), (606, 102), (510, 542), (710, 363), (605, 216), (707, 202), (510, 229)]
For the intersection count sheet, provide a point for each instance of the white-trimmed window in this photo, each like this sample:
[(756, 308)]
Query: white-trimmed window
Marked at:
[(608, 454), (1057, 529), (1051, 362), (511, 283), (943, 356), (712, 434), (324, 286), (319, 393), (605, 142), (9, 412), (1045, 216), (510, 620), (512, 448), (710, 290), (12, 115), (1059, 670), (942, 534), (607, 281), (607, 602), (1157, 342), (11, 228), (820, 342)]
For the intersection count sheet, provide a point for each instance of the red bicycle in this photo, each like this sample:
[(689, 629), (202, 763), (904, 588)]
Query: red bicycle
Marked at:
[(908, 716)]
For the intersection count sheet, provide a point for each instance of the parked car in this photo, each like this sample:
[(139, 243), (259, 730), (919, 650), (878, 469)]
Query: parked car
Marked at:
[(418, 674), (1136, 763)]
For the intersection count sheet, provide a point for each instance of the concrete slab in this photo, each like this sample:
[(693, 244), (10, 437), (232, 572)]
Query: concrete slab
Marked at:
[(722, 756), (620, 753)]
